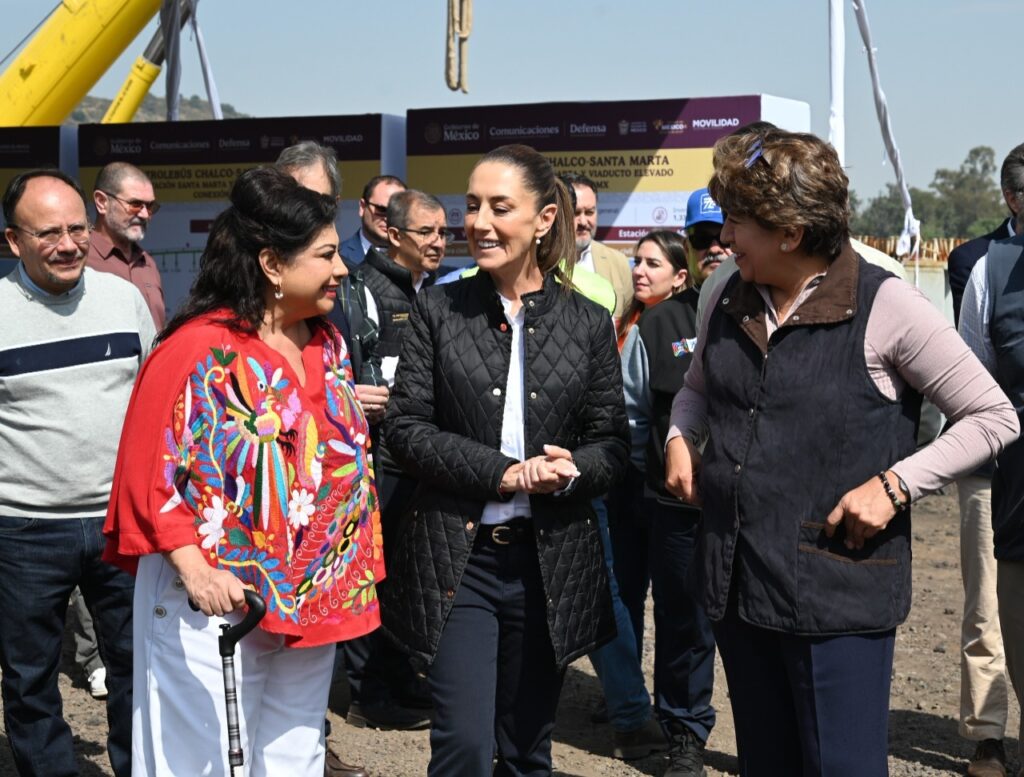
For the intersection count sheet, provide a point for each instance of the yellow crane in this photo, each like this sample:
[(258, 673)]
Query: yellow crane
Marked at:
[(71, 51)]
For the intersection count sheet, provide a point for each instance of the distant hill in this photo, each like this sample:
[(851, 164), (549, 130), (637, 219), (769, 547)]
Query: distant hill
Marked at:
[(91, 110)]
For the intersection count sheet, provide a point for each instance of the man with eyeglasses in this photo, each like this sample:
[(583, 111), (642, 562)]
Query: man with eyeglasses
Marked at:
[(373, 215), (385, 691), (71, 343), (125, 203)]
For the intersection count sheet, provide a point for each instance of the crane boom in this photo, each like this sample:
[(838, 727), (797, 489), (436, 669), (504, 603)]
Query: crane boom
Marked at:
[(69, 54), (142, 76)]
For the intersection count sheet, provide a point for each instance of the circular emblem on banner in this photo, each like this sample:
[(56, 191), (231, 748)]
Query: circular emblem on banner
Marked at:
[(432, 133), (454, 217), (101, 146), (660, 215)]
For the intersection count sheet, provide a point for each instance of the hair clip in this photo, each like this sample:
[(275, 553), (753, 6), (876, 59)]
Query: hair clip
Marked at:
[(756, 152)]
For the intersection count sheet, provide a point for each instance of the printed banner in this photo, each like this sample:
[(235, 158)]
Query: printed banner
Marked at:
[(645, 157), (194, 164), (22, 148)]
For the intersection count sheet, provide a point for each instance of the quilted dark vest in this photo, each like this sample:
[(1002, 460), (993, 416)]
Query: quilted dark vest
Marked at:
[(1006, 328), (795, 423), (392, 289)]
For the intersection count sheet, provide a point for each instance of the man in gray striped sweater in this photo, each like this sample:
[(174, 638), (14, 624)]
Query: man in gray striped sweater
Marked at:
[(71, 343)]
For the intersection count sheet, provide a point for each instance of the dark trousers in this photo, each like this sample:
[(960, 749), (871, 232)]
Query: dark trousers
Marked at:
[(494, 680), (377, 670), (807, 706), (653, 546), (41, 562)]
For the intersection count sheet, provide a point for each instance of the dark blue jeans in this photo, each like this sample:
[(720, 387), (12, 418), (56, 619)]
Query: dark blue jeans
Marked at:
[(494, 680), (41, 562), (807, 706), (653, 544), (617, 663)]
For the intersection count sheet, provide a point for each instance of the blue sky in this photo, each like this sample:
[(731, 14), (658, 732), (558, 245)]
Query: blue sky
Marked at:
[(947, 66)]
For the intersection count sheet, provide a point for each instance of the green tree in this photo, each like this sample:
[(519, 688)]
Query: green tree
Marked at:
[(965, 202), (883, 215), (970, 195)]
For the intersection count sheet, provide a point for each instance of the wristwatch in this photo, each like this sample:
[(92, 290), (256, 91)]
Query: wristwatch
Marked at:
[(903, 487)]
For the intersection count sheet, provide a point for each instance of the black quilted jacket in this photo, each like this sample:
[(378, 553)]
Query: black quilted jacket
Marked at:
[(444, 427)]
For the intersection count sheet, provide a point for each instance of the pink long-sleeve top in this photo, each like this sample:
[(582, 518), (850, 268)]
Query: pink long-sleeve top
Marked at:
[(907, 343)]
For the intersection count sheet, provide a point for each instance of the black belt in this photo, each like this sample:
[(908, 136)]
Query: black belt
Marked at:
[(511, 533)]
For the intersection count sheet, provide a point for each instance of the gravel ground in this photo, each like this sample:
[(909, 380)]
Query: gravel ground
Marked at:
[(923, 739)]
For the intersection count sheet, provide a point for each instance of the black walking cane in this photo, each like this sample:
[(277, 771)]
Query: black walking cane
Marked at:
[(231, 636)]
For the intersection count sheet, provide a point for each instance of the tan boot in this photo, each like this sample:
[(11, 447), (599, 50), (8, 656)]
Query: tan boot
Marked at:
[(989, 760)]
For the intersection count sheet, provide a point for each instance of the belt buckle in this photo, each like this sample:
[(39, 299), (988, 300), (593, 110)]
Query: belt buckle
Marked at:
[(498, 532)]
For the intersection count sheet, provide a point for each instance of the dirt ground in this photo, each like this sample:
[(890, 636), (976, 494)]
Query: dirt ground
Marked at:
[(924, 705)]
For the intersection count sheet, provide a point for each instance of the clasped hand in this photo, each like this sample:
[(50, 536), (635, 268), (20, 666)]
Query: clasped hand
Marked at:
[(541, 474), (374, 400)]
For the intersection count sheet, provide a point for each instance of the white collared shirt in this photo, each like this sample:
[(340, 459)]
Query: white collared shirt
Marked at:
[(513, 433), (586, 260), (975, 309)]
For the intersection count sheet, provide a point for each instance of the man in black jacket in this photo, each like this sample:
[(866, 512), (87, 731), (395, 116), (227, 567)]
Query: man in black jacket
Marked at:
[(385, 693), (983, 685)]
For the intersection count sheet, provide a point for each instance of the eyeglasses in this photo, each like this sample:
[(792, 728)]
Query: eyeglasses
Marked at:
[(135, 206), (426, 234), (702, 239), (50, 238), (377, 210)]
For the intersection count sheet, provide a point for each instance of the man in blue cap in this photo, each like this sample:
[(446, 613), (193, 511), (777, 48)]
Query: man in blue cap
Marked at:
[(704, 247)]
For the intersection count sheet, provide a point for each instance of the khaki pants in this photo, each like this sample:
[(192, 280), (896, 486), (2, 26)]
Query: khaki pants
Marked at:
[(1011, 615), (983, 686)]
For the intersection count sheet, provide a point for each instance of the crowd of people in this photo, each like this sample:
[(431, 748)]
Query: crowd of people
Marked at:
[(448, 484)]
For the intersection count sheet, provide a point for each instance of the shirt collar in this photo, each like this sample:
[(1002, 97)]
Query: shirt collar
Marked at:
[(38, 291), (106, 249)]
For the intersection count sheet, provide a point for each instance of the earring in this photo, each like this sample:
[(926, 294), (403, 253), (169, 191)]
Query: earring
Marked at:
[(784, 247), (278, 292), (538, 241)]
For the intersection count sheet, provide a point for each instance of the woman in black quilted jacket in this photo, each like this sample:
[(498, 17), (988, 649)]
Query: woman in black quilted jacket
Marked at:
[(508, 408)]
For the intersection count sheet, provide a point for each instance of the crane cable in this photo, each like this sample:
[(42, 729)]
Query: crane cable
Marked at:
[(460, 24)]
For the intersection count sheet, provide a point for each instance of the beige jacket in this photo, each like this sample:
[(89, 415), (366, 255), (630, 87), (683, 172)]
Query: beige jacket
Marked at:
[(614, 267)]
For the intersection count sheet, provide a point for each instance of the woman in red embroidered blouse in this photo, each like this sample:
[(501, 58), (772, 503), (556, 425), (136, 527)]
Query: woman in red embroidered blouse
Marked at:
[(243, 463)]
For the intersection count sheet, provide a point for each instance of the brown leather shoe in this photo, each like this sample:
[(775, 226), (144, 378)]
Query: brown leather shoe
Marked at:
[(989, 759), (335, 767)]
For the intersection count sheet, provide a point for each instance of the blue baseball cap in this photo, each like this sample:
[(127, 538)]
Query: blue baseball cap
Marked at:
[(700, 207)]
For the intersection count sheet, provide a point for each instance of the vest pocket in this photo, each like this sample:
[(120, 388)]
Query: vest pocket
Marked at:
[(843, 590)]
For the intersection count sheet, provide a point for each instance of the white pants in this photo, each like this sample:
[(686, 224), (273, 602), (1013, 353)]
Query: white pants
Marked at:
[(179, 723)]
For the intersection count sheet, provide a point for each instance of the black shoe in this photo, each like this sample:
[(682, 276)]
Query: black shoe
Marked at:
[(640, 742), (685, 752), (989, 759), (416, 695), (335, 767), (386, 716)]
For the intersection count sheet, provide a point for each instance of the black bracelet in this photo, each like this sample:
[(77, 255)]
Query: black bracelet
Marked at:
[(898, 506)]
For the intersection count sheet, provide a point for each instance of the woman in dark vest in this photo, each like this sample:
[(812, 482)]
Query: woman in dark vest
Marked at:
[(508, 409), (806, 384), (653, 535)]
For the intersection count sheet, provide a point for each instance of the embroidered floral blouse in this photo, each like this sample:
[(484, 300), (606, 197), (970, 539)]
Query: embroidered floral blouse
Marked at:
[(223, 447)]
